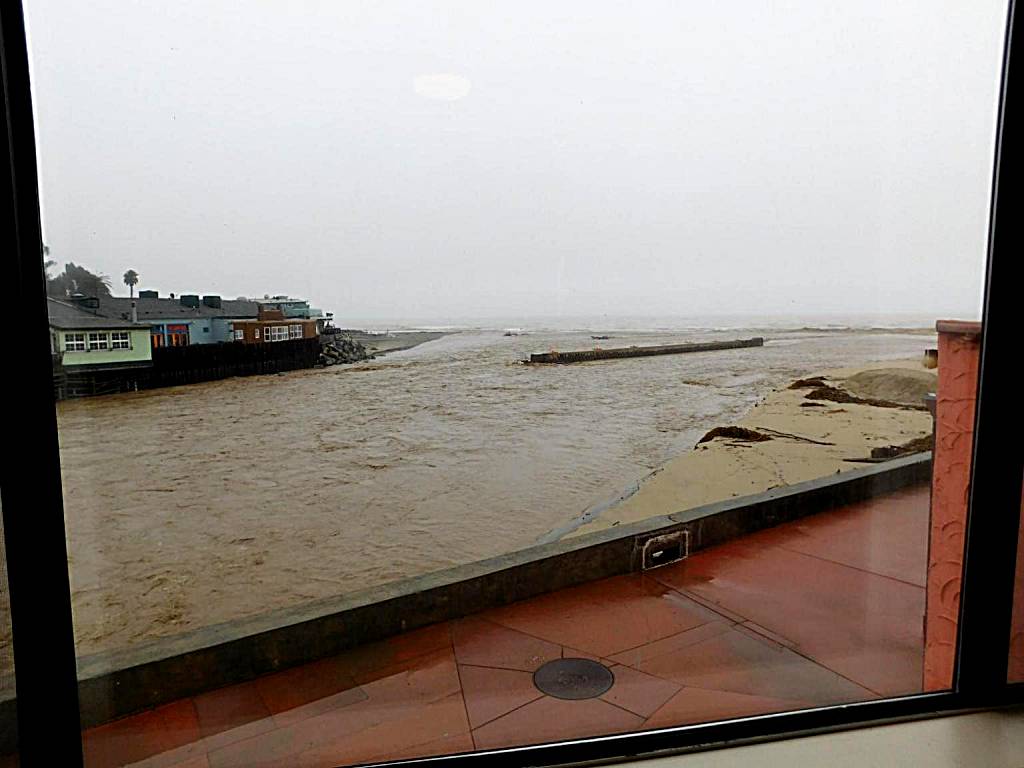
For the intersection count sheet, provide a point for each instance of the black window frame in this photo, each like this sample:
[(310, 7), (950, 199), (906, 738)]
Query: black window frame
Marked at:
[(33, 511)]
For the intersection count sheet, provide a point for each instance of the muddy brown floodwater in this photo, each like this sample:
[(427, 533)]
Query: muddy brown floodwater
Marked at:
[(197, 505)]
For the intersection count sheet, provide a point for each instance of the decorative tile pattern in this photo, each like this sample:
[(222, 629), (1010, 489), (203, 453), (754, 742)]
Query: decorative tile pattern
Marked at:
[(824, 610), (486, 644), (491, 693), (605, 617)]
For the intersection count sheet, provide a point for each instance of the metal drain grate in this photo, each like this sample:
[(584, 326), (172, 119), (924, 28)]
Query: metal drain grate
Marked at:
[(573, 679)]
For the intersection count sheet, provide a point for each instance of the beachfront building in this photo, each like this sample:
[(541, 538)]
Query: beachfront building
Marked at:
[(191, 319), (177, 321), (295, 309), (290, 307), (82, 340), (272, 325)]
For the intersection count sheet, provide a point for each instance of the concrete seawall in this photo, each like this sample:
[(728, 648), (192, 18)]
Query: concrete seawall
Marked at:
[(622, 352)]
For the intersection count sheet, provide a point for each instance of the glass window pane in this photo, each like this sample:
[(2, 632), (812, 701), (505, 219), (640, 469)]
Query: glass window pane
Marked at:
[(8, 714), (1016, 668), (643, 325)]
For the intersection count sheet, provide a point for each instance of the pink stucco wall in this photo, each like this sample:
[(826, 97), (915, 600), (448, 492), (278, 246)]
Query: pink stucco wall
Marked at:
[(959, 348), (959, 352)]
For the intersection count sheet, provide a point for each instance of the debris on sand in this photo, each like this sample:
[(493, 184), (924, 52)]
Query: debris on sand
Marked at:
[(816, 381), (836, 395), (887, 452), (735, 433), (791, 436), (917, 445)]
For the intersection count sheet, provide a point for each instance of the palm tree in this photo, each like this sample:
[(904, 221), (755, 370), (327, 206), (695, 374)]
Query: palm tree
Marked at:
[(131, 279)]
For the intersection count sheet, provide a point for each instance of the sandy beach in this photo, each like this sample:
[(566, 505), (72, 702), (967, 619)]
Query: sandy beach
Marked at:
[(800, 439)]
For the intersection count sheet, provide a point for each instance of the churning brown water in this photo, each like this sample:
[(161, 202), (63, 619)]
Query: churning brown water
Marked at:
[(196, 505)]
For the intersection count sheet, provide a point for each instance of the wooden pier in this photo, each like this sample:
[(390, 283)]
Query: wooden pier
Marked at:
[(588, 355)]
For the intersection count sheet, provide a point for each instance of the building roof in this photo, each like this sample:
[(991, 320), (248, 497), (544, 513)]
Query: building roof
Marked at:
[(280, 300), (67, 316), (152, 310)]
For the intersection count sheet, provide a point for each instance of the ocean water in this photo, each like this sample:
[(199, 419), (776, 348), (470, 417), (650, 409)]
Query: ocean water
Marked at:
[(194, 505)]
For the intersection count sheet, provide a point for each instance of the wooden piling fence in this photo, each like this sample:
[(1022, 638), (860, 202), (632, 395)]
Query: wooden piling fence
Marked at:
[(174, 366), (207, 362)]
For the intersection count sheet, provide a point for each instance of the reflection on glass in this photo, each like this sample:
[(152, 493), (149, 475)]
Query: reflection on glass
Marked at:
[(1016, 668), (353, 303), (8, 715)]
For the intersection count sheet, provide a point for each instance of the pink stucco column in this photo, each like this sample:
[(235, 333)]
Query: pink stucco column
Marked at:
[(959, 348)]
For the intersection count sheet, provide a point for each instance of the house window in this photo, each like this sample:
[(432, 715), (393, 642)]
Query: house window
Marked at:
[(177, 335), (120, 340), (294, 331), (98, 341), (276, 333), (74, 342), (257, 333), (239, 335)]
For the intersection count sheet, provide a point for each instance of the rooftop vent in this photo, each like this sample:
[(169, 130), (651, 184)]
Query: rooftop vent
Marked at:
[(190, 300), (85, 302), (212, 301)]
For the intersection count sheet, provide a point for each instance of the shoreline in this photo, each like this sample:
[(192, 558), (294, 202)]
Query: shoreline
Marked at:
[(786, 438)]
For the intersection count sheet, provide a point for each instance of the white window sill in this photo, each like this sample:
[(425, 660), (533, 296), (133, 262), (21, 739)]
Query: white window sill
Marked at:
[(984, 739)]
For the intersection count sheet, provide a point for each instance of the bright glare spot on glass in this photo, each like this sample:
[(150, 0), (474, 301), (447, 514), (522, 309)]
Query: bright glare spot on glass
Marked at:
[(442, 87)]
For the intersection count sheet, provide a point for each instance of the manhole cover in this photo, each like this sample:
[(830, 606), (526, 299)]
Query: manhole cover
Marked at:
[(573, 679)]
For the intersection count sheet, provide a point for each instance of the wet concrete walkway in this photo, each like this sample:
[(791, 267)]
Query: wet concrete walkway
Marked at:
[(825, 610)]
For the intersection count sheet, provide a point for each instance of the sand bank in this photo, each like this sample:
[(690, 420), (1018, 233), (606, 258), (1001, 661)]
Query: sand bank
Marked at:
[(806, 439), (382, 343)]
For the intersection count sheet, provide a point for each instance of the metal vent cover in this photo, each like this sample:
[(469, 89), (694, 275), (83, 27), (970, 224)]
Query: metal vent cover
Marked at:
[(573, 679)]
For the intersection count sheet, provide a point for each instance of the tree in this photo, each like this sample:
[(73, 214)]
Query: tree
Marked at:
[(131, 279), (75, 279), (85, 282), (48, 264)]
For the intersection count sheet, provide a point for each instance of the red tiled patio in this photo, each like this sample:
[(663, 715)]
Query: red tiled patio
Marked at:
[(824, 610)]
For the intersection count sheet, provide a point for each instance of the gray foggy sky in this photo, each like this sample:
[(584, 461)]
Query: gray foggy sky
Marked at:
[(447, 159)]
